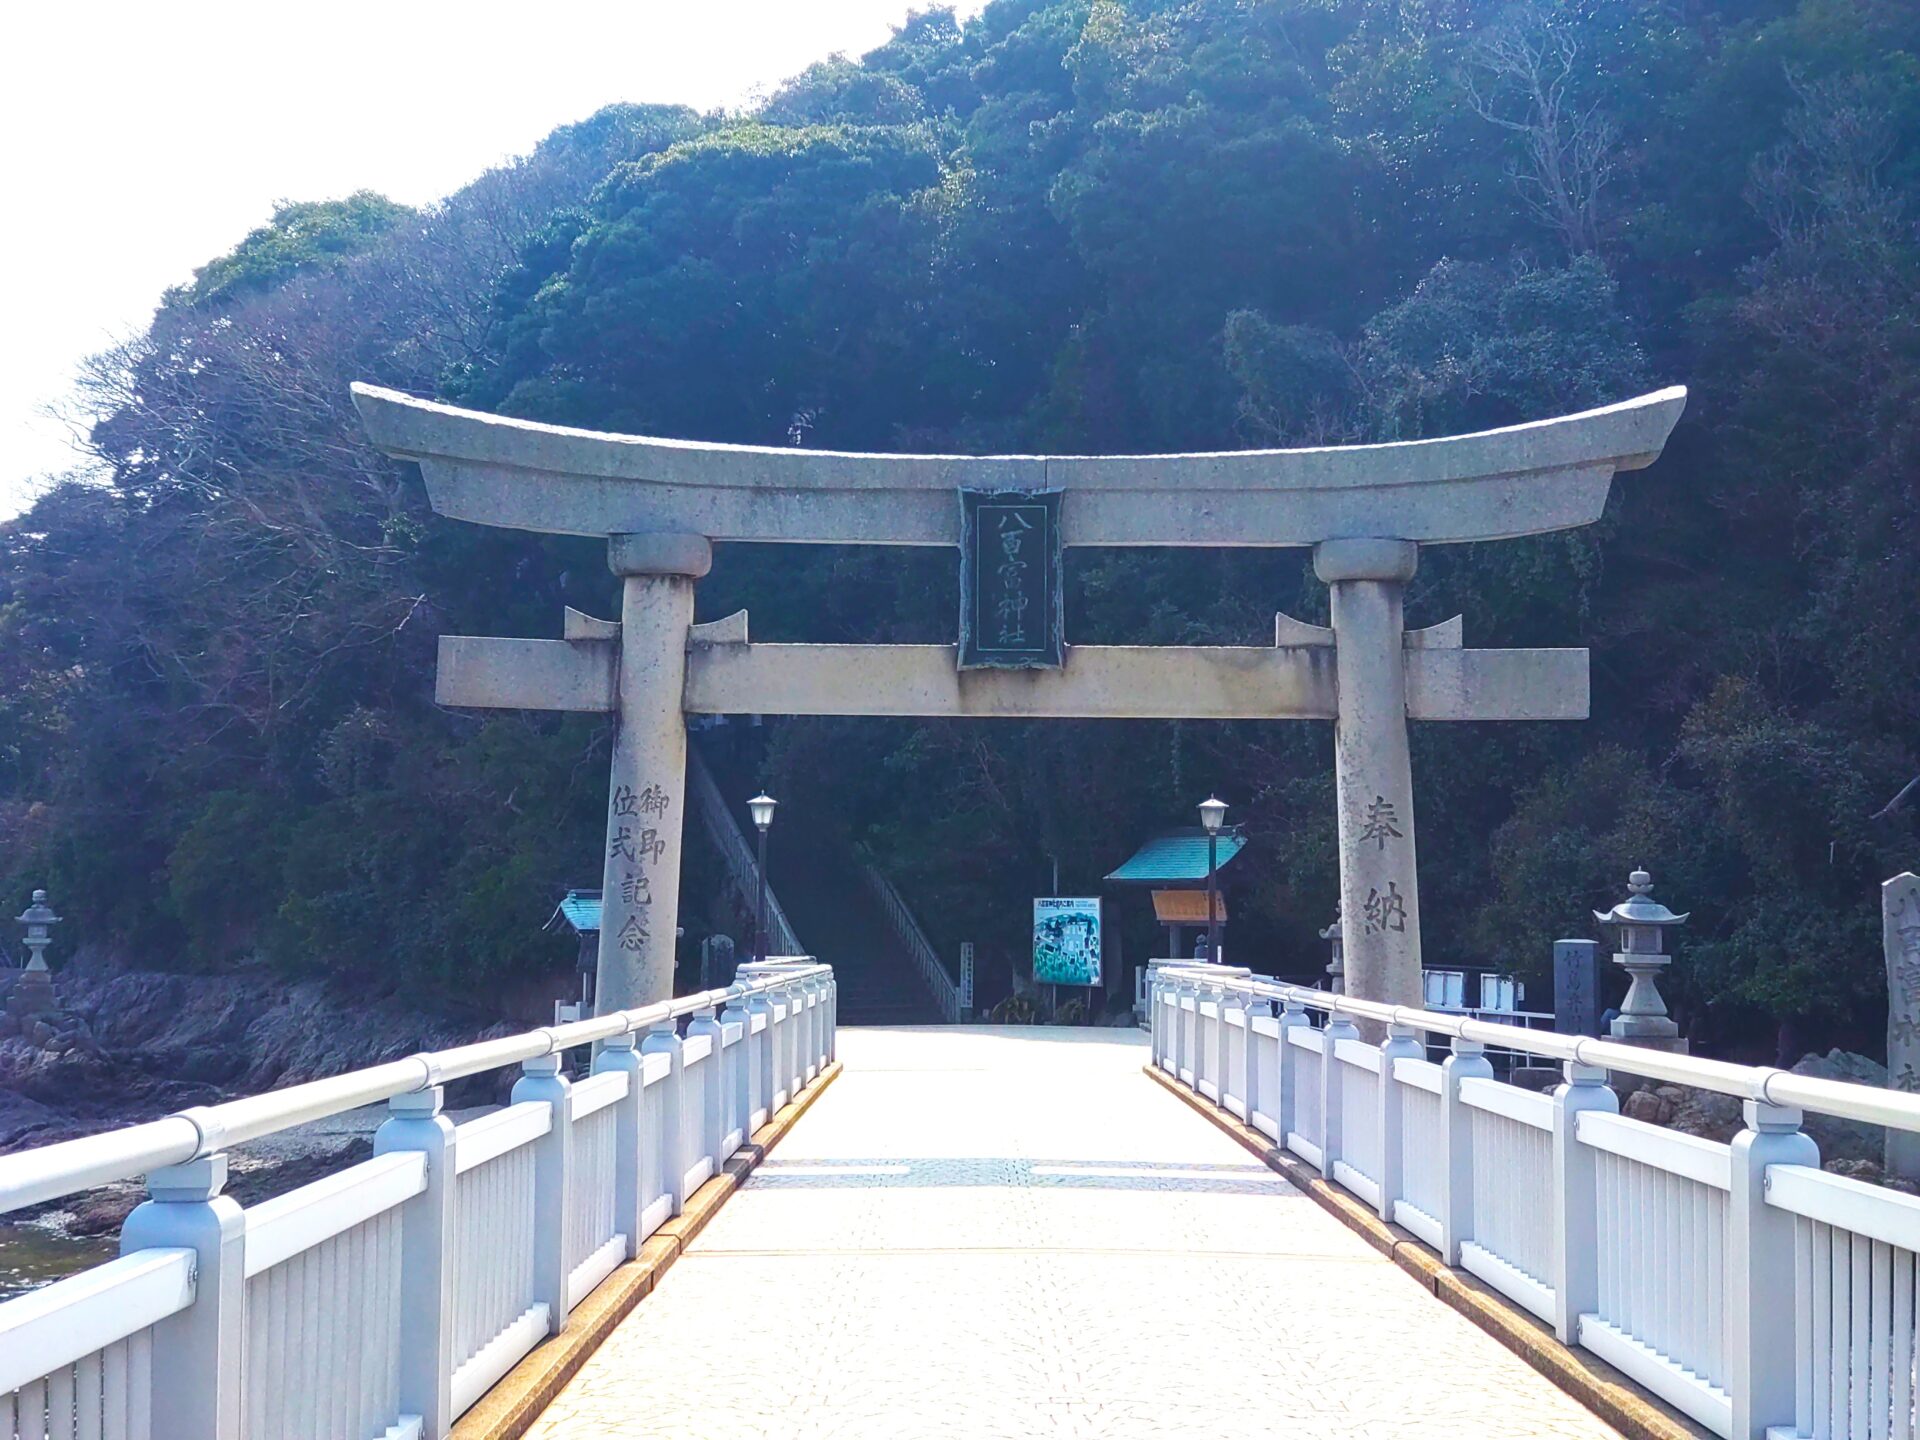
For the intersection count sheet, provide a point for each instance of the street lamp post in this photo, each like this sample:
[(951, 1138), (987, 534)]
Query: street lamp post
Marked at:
[(761, 807), (1212, 812)]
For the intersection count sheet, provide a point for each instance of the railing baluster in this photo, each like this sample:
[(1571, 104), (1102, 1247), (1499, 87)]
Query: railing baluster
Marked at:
[(618, 1054), (541, 1080), (1287, 1071), (200, 1349), (1402, 1043), (1332, 1090), (739, 1066), (711, 1095), (1576, 1236), (1765, 1269), (664, 1039), (1467, 1062), (760, 1056)]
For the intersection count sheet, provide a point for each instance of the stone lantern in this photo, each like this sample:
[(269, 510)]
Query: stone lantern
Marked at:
[(1337, 966), (33, 992), (1641, 922)]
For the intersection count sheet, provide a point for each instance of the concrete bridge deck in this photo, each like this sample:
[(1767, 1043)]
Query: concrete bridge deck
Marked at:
[(984, 1232)]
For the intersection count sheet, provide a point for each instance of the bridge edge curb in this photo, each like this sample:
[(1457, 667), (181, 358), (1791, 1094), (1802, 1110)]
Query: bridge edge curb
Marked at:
[(1607, 1392), (511, 1407)]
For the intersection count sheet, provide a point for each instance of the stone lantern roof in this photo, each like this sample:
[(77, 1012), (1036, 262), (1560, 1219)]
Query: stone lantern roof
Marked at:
[(1640, 908)]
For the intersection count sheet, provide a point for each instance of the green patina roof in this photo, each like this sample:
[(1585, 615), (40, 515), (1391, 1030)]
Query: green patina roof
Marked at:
[(581, 910), (1178, 857)]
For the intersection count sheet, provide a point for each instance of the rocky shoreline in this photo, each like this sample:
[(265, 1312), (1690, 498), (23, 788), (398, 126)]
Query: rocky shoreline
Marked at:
[(1847, 1147)]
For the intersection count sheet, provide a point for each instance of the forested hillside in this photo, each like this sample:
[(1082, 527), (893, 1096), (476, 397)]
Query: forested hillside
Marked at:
[(1068, 225)]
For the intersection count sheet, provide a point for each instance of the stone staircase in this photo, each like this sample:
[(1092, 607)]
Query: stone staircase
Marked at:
[(834, 915)]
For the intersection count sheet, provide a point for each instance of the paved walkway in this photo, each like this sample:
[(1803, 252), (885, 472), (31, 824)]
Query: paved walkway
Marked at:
[(981, 1233)]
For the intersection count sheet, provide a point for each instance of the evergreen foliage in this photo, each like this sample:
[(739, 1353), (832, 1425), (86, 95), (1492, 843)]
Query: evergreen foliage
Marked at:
[(1066, 225)]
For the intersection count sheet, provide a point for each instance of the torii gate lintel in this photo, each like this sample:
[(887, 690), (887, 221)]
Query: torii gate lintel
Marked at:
[(1365, 510)]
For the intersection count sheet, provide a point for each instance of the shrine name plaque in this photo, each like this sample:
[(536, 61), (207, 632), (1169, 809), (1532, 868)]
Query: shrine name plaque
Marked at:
[(1010, 602)]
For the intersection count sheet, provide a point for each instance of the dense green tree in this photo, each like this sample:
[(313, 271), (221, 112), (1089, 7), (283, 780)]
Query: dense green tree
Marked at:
[(1061, 225)]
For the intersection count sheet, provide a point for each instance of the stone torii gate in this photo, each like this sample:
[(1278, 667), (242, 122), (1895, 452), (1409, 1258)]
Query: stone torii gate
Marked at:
[(1364, 509)]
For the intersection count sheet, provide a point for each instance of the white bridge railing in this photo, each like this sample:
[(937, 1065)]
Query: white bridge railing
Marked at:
[(384, 1300), (1740, 1283)]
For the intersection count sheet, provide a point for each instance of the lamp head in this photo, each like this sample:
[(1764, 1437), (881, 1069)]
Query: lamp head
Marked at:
[(761, 807), (1213, 813)]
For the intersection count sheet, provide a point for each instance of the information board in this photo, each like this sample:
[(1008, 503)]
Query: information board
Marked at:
[(1066, 941)]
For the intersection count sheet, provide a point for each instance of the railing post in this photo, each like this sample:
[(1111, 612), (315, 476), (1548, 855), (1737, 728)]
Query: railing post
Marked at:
[(414, 1122), (617, 1053), (1576, 1199), (664, 1039), (791, 1043), (1229, 1004), (1467, 1062), (1218, 995), (833, 1017), (739, 1066), (1153, 1018), (1332, 1121), (1250, 1057), (1402, 1043), (1186, 1050), (541, 1080), (713, 1088), (1206, 1043), (197, 1387), (780, 1034), (1760, 1240), (1164, 1019), (760, 1059), (1167, 1061), (1287, 1071), (814, 1017), (803, 1041)]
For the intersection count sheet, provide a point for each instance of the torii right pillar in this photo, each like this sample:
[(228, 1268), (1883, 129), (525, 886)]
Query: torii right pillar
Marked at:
[(1373, 773)]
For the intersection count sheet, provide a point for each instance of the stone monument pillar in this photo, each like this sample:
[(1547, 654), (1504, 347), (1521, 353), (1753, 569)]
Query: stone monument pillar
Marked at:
[(1900, 933), (646, 793), (1576, 987), (1379, 890)]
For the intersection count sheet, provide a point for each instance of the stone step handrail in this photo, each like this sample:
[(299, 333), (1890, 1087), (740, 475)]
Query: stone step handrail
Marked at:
[(946, 994), (738, 857)]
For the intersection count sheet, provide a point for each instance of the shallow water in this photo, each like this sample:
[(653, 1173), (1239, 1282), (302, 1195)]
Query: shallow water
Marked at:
[(32, 1255)]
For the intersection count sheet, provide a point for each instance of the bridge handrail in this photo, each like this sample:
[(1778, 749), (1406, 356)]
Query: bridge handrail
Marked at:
[(1850, 1100), (385, 1298), (50, 1172), (1756, 1293)]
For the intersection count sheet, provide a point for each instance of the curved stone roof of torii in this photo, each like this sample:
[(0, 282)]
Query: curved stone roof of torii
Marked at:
[(1492, 485)]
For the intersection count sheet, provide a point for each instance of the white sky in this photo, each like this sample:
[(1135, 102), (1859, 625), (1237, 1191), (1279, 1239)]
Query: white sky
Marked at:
[(141, 139)]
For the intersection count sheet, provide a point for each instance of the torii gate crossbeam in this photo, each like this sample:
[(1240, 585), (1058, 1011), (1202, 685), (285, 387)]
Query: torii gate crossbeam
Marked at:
[(1364, 509)]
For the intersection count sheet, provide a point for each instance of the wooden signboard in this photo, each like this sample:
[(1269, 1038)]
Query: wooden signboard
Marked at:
[(1186, 907)]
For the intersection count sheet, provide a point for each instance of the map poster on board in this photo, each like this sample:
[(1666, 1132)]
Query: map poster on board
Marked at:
[(1066, 941)]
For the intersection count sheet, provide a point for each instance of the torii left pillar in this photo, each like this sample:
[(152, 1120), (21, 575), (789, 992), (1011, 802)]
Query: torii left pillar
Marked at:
[(647, 789)]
